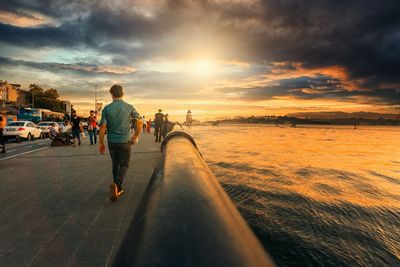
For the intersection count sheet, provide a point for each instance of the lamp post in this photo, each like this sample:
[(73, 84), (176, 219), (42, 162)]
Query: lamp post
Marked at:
[(95, 96)]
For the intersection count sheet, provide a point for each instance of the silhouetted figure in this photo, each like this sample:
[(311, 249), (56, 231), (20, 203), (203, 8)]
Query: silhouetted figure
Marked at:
[(144, 124), (158, 124), (167, 126)]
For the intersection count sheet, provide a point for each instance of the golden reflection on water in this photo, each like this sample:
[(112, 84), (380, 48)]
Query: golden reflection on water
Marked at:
[(329, 164)]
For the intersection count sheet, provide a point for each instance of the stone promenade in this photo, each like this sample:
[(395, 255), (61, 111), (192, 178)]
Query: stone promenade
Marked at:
[(54, 207)]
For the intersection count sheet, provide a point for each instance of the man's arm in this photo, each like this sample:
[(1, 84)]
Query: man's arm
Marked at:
[(139, 125), (138, 130), (102, 133)]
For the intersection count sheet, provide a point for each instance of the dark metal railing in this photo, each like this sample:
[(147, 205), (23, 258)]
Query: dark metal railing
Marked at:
[(186, 218)]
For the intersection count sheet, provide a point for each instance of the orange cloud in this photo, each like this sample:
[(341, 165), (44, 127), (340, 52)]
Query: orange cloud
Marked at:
[(297, 69), (22, 20)]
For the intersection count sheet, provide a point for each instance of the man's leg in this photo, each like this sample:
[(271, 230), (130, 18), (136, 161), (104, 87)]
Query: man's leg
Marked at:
[(74, 135), (79, 136), (91, 137), (156, 132), (123, 162), (114, 153), (159, 133), (114, 149), (95, 135)]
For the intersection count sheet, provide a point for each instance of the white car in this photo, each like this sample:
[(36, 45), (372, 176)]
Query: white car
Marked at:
[(45, 126), (22, 129)]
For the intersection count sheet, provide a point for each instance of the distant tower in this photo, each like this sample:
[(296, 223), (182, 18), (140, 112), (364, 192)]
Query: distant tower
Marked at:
[(189, 118)]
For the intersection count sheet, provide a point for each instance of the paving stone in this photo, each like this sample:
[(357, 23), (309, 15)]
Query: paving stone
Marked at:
[(59, 214)]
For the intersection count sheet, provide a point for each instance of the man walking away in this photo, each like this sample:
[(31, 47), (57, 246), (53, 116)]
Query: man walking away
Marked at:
[(116, 118), (2, 142), (76, 128), (158, 124), (92, 128)]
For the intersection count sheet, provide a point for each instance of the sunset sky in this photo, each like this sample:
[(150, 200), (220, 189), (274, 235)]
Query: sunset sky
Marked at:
[(218, 58)]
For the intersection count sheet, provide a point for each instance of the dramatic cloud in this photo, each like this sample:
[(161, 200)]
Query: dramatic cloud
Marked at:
[(83, 68), (307, 50)]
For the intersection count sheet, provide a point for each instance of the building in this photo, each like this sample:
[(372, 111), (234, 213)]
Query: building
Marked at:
[(189, 118), (67, 108), (12, 97), (22, 99), (8, 91)]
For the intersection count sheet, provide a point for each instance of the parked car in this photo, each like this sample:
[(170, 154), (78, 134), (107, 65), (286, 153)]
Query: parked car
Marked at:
[(22, 129), (84, 122), (45, 127)]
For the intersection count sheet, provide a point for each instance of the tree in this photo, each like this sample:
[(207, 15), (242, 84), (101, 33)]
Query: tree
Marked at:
[(44, 99), (51, 93), (34, 90)]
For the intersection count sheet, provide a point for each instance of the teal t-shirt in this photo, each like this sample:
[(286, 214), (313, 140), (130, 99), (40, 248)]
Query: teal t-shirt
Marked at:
[(117, 117)]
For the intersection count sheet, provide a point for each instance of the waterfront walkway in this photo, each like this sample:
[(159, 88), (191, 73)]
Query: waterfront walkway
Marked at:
[(54, 206)]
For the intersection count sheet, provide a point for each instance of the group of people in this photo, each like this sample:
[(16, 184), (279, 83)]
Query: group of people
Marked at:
[(162, 125), (72, 130), (117, 119), (146, 124)]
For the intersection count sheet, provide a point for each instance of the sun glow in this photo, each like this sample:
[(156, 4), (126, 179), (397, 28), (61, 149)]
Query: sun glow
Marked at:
[(202, 67)]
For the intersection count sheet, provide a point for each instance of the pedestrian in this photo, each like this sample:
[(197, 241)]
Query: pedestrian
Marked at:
[(76, 128), (116, 119), (168, 126), (148, 126), (65, 131), (2, 142), (144, 124), (133, 125), (158, 124), (164, 128), (92, 128)]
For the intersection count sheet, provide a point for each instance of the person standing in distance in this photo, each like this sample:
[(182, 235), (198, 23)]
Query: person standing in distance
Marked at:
[(144, 124), (116, 119), (92, 127), (76, 128), (158, 124)]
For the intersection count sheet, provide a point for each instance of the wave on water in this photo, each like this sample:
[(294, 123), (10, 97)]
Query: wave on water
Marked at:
[(314, 196), (299, 231)]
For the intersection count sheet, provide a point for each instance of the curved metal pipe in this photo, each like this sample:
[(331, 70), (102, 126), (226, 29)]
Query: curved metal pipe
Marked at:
[(187, 219)]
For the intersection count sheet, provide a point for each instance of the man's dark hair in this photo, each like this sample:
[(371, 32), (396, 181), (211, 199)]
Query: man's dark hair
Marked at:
[(116, 91), (92, 111)]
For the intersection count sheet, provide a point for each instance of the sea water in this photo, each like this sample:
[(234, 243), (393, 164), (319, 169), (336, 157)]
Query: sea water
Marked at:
[(313, 195)]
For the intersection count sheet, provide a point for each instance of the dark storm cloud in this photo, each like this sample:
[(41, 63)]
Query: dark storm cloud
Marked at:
[(82, 68), (362, 36), (50, 8)]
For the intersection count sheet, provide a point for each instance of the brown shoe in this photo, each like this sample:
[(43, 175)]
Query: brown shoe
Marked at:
[(120, 192), (113, 192)]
